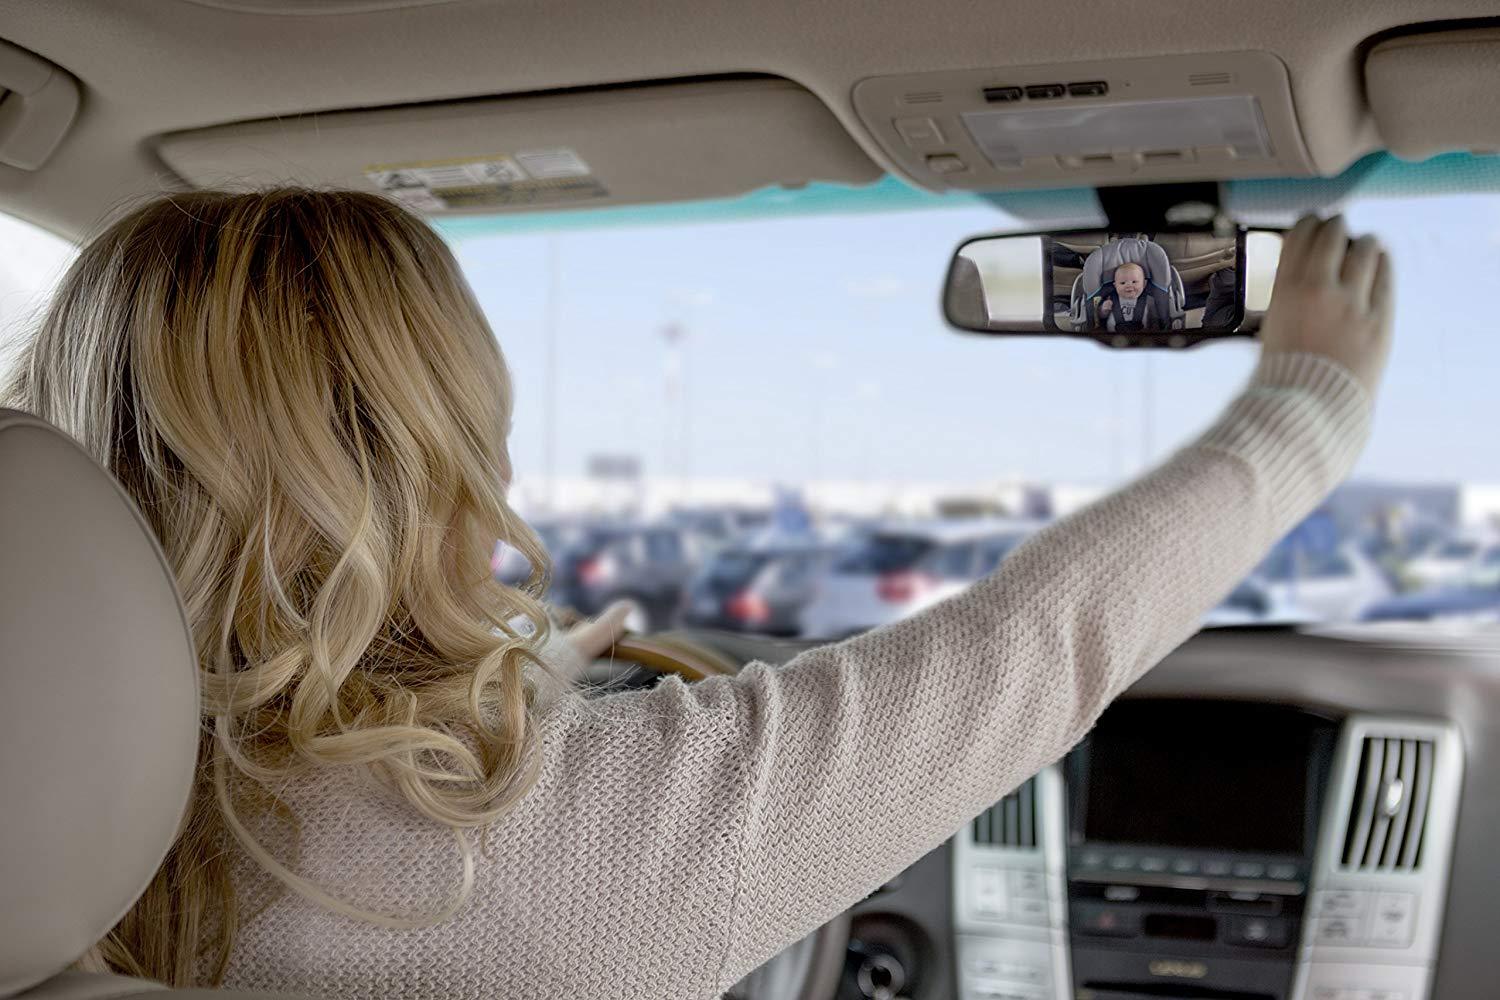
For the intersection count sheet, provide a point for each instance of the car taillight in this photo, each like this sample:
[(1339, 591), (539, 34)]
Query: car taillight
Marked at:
[(594, 570), (747, 607), (898, 588)]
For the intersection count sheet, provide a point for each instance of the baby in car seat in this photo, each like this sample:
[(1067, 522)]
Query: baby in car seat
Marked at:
[(1123, 304)]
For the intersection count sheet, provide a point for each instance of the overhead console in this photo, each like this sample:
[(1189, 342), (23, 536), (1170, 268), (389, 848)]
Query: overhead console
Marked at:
[(1110, 122), (589, 148)]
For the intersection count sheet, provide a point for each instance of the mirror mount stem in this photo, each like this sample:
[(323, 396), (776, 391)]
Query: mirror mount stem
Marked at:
[(1149, 208)]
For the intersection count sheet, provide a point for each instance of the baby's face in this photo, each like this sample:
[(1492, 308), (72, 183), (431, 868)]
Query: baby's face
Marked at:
[(1130, 281)]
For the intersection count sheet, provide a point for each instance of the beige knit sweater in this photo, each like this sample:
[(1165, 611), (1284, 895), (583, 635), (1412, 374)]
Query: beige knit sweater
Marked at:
[(679, 837)]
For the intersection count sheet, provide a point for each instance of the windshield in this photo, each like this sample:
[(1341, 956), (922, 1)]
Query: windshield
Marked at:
[(796, 360), (776, 366)]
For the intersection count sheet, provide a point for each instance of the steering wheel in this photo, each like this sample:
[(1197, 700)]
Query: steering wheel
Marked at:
[(811, 968)]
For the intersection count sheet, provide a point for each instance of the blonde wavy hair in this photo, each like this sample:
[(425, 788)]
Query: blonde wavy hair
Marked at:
[(299, 390)]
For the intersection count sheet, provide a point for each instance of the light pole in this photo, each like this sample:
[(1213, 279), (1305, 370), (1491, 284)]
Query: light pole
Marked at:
[(550, 422), (674, 335)]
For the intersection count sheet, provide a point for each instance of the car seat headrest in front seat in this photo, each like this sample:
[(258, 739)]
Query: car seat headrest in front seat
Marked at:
[(98, 703)]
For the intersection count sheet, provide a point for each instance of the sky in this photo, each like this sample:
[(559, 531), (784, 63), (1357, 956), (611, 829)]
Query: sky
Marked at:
[(813, 348)]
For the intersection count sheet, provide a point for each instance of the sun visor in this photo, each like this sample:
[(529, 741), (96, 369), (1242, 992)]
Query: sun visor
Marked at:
[(657, 143), (1119, 121), (1435, 93)]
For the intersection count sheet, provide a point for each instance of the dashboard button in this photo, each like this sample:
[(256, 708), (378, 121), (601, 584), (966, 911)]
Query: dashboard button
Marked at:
[(989, 893), (1257, 932), (1091, 859), (1282, 872), (1029, 911), (1216, 867), (1010, 972), (1122, 862), (1153, 864), (1185, 866), (1348, 903), (1028, 884), (1335, 930), (1249, 869), (1104, 921), (1394, 919)]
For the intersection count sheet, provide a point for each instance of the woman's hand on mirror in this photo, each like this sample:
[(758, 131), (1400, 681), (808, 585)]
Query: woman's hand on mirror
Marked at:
[(1333, 297)]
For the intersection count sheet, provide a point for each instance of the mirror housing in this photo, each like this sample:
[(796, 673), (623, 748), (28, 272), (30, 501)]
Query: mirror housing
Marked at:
[(1172, 287)]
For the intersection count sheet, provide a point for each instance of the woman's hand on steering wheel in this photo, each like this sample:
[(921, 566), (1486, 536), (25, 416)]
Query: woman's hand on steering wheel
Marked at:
[(591, 639)]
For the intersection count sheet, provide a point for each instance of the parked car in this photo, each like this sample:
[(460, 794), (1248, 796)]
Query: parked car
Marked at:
[(648, 566), (758, 587), (1253, 602), (1446, 563), (900, 569), (719, 525), (1334, 584), (1486, 569), (1480, 603), (511, 567)]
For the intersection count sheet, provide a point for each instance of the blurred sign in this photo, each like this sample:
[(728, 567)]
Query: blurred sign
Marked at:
[(614, 467), (790, 515)]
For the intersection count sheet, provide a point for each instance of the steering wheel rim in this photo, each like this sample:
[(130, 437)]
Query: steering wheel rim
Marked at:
[(821, 953), (673, 653)]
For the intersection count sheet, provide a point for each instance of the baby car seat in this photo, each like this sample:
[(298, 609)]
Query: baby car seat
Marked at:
[(1163, 283)]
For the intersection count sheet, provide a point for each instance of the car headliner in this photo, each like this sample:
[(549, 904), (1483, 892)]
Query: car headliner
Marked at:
[(152, 67)]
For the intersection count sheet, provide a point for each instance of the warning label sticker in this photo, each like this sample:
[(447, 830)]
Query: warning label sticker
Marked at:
[(531, 177)]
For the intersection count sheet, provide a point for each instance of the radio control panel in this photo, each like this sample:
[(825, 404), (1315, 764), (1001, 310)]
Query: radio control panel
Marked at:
[(1317, 872)]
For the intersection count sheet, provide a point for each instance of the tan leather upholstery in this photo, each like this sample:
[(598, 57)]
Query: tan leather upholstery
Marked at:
[(98, 707)]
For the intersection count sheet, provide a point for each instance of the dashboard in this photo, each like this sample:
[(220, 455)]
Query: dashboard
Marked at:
[(1267, 815)]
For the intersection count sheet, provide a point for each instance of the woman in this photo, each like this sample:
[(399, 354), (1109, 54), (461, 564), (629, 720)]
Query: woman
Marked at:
[(302, 396)]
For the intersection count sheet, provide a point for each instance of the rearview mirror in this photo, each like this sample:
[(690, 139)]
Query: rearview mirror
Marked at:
[(1162, 289)]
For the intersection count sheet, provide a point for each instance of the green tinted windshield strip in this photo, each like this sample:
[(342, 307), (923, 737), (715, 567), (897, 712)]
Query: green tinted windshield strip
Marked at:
[(1378, 175), (886, 195)]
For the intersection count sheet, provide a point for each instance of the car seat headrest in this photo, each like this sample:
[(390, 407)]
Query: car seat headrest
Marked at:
[(98, 703), (1100, 265)]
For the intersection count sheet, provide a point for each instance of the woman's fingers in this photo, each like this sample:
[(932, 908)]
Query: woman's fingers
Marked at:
[(1295, 243), (593, 639), (1332, 298), (1358, 271), (1325, 255), (1382, 291)]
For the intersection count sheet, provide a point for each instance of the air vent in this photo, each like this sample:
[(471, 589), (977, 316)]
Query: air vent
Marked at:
[(1209, 79), (1011, 822), (1388, 817), (923, 97)]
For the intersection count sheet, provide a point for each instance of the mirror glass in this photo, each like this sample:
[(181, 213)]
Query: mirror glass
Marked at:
[(1120, 287)]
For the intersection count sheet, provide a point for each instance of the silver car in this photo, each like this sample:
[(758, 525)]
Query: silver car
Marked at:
[(902, 568)]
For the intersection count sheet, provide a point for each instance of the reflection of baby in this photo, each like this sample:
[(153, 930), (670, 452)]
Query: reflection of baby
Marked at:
[(1124, 305)]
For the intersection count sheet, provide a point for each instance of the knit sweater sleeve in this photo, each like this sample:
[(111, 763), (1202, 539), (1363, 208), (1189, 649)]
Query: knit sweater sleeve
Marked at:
[(867, 754)]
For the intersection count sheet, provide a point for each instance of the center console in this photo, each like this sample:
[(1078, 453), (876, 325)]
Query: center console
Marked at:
[(1216, 851)]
